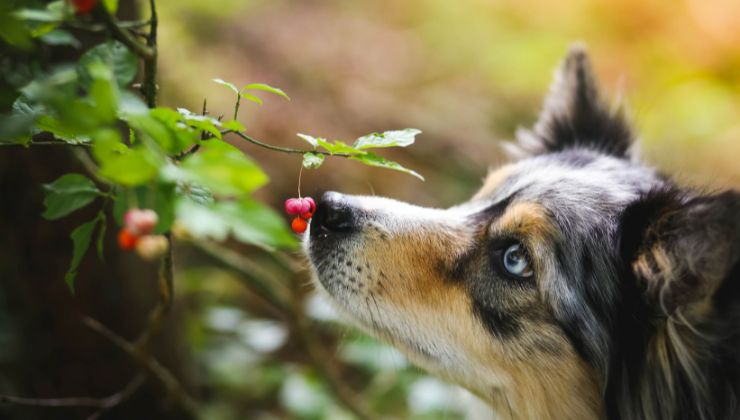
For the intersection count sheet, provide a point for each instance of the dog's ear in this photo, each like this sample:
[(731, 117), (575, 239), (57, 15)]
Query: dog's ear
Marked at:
[(575, 115), (681, 249)]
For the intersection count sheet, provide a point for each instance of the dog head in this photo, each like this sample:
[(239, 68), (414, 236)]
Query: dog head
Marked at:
[(518, 293)]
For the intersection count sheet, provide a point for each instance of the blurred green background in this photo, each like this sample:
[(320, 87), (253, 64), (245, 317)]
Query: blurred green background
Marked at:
[(466, 73)]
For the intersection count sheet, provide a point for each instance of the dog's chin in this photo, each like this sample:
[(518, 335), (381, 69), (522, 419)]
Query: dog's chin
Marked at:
[(329, 255)]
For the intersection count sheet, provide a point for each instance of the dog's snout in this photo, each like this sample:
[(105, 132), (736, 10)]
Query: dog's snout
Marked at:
[(334, 213)]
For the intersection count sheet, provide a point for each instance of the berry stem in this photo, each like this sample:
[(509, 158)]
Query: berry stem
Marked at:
[(300, 175)]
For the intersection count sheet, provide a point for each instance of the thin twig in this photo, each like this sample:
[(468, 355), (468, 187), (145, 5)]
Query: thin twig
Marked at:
[(46, 143), (252, 275), (131, 24), (101, 403), (284, 149), (149, 363), (236, 105), (149, 87), (144, 51)]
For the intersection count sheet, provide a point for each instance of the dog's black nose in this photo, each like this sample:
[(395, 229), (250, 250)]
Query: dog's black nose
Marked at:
[(334, 213)]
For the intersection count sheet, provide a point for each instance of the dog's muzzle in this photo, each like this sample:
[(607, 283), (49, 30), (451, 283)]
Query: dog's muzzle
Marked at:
[(335, 216)]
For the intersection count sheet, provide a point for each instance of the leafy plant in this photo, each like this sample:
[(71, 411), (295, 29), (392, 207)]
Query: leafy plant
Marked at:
[(170, 159)]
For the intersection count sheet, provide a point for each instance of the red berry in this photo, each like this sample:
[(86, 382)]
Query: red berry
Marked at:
[(140, 221), (299, 225), (84, 7), (127, 240)]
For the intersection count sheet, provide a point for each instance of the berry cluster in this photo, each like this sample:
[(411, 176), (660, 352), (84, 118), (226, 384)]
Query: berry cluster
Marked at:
[(138, 224), (303, 208)]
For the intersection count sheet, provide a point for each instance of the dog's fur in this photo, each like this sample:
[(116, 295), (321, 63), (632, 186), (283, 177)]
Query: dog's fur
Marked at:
[(633, 311)]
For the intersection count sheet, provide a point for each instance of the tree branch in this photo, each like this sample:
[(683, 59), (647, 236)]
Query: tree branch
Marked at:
[(144, 51), (94, 27), (283, 149), (149, 87), (46, 143), (102, 404)]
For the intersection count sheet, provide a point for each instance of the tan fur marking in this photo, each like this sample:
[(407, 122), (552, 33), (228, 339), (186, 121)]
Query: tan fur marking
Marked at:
[(494, 180), (529, 220)]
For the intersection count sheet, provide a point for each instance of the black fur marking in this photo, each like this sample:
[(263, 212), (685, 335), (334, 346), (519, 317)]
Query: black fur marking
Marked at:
[(638, 216), (500, 324), (493, 211), (575, 115)]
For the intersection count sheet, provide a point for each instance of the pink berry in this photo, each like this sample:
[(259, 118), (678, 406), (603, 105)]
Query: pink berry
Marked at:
[(140, 221), (305, 205), (312, 203), (293, 205)]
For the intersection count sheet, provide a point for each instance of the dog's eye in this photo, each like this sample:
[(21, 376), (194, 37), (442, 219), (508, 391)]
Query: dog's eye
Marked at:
[(516, 261)]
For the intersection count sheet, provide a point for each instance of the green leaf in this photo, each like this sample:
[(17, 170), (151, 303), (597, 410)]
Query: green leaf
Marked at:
[(103, 92), (266, 88), (257, 224), (247, 221), (135, 167), (111, 6), (115, 55), (233, 125), (169, 129), (252, 98), (130, 104), (313, 141), (338, 147), (223, 169), (81, 237), (202, 221), (201, 122), (16, 128), (67, 194), (227, 84), (13, 30), (372, 159), (197, 193), (60, 130), (60, 37), (312, 160), (39, 15), (395, 138), (122, 165)]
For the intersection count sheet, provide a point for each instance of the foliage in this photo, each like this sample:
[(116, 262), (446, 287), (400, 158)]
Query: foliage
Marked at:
[(172, 160)]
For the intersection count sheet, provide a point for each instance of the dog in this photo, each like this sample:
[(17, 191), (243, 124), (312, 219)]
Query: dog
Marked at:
[(577, 283)]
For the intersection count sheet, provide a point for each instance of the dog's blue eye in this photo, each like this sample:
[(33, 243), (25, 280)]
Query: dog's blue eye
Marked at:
[(516, 261)]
